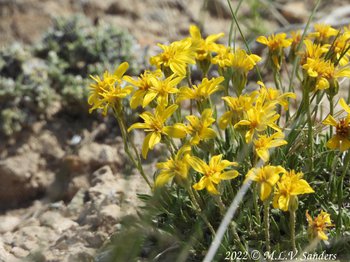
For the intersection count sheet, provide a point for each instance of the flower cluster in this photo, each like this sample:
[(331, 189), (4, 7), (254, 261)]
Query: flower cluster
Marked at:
[(215, 128)]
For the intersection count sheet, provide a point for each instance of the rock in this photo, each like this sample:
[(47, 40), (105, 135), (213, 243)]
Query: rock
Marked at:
[(30, 236), (80, 253), (47, 145), (295, 11), (19, 252), (72, 252), (123, 9), (5, 255), (219, 9), (76, 205), (8, 223), (56, 221), (18, 174), (111, 213), (102, 176), (95, 155), (105, 186), (94, 239), (76, 184)]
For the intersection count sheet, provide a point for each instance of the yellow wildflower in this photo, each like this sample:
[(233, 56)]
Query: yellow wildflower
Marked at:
[(341, 48), (201, 91), (154, 124), (222, 56), (324, 72), (319, 225), (263, 143), (204, 47), (199, 128), (323, 32), (313, 50), (108, 92), (341, 140), (274, 95), (160, 89), (143, 83), (287, 190), (258, 118), (212, 173), (243, 62), (176, 57), (276, 44), (176, 167), (237, 105), (296, 37), (267, 177)]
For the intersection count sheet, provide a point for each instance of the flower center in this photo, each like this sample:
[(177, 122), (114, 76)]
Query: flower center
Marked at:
[(343, 128)]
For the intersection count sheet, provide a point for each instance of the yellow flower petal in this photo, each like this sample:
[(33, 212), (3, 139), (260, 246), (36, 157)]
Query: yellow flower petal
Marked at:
[(145, 146), (345, 145), (168, 111), (154, 139), (208, 133), (263, 154), (137, 126), (302, 187), (198, 164), (265, 191), (225, 119), (149, 97), (283, 203), (229, 175), (120, 71), (344, 105), (176, 131), (201, 184), (163, 178), (322, 235), (262, 40), (329, 121), (211, 188), (334, 142), (322, 83)]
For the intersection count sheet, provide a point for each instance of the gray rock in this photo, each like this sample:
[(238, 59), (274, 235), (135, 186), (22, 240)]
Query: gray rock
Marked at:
[(17, 174), (219, 9), (8, 223), (95, 155), (57, 222), (5, 255), (19, 252)]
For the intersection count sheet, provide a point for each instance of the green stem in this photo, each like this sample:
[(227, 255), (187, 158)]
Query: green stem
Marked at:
[(277, 80), (292, 230), (199, 210), (256, 206), (170, 145), (232, 22), (341, 194), (234, 17), (310, 130), (137, 162), (331, 112), (267, 226)]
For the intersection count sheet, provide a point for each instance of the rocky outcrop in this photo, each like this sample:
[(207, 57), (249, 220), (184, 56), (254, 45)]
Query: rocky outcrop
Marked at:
[(71, 231)]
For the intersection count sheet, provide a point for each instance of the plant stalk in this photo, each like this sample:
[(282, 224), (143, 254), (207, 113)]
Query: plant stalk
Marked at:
[(341, 195), (292, 230), (137, 162), (267, 226)]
